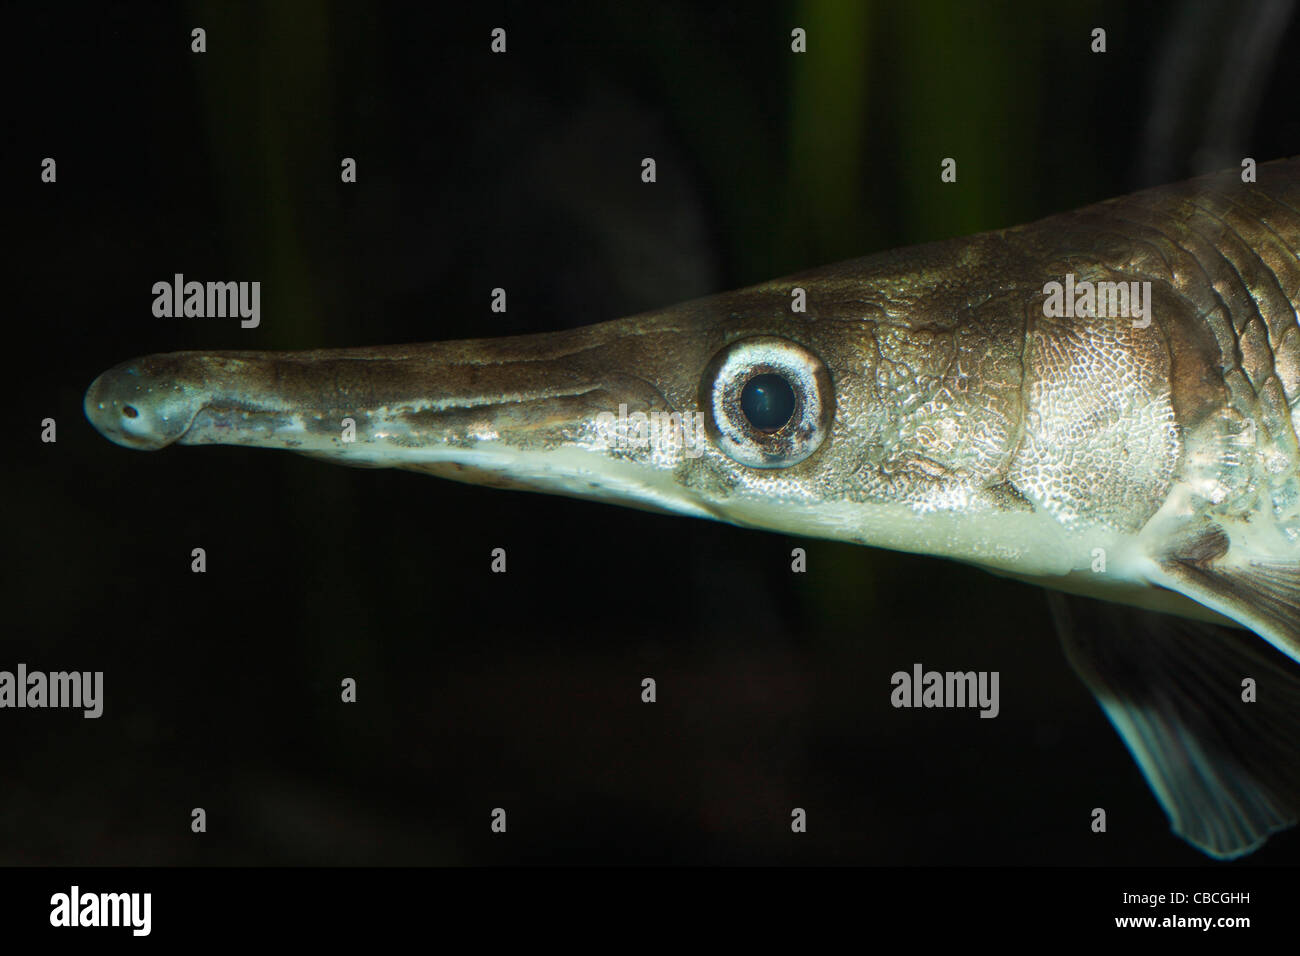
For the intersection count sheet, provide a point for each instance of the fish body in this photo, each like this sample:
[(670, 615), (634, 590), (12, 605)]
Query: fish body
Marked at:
[(988, 399)]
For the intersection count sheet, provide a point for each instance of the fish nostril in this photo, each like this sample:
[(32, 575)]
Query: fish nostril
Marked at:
[(129, 411)]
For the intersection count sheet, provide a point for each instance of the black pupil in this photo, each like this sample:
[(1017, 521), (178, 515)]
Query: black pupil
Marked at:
[(767, 401)]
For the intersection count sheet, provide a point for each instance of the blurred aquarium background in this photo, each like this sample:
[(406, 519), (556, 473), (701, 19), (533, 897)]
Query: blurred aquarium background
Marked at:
[(522, 171)]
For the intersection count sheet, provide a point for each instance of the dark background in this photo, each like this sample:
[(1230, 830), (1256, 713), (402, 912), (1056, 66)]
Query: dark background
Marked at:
[(522, 171)]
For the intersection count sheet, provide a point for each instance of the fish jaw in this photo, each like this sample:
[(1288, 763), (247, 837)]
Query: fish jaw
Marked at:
[(528, 412)]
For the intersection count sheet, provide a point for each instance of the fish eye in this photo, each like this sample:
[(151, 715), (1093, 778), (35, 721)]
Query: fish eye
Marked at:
[(768, 401)]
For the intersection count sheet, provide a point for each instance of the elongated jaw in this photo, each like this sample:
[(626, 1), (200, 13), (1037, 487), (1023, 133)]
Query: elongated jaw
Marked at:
[(563, 413)]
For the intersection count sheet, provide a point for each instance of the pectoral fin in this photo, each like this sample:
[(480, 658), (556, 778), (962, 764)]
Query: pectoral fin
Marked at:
[(1263, 594), (1226, 771)]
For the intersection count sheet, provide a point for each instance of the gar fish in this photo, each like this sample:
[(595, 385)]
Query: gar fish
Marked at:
[(933, 399)]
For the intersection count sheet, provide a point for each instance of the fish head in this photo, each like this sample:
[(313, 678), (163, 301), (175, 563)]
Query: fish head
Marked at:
[(851, 402), (147, 403)]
